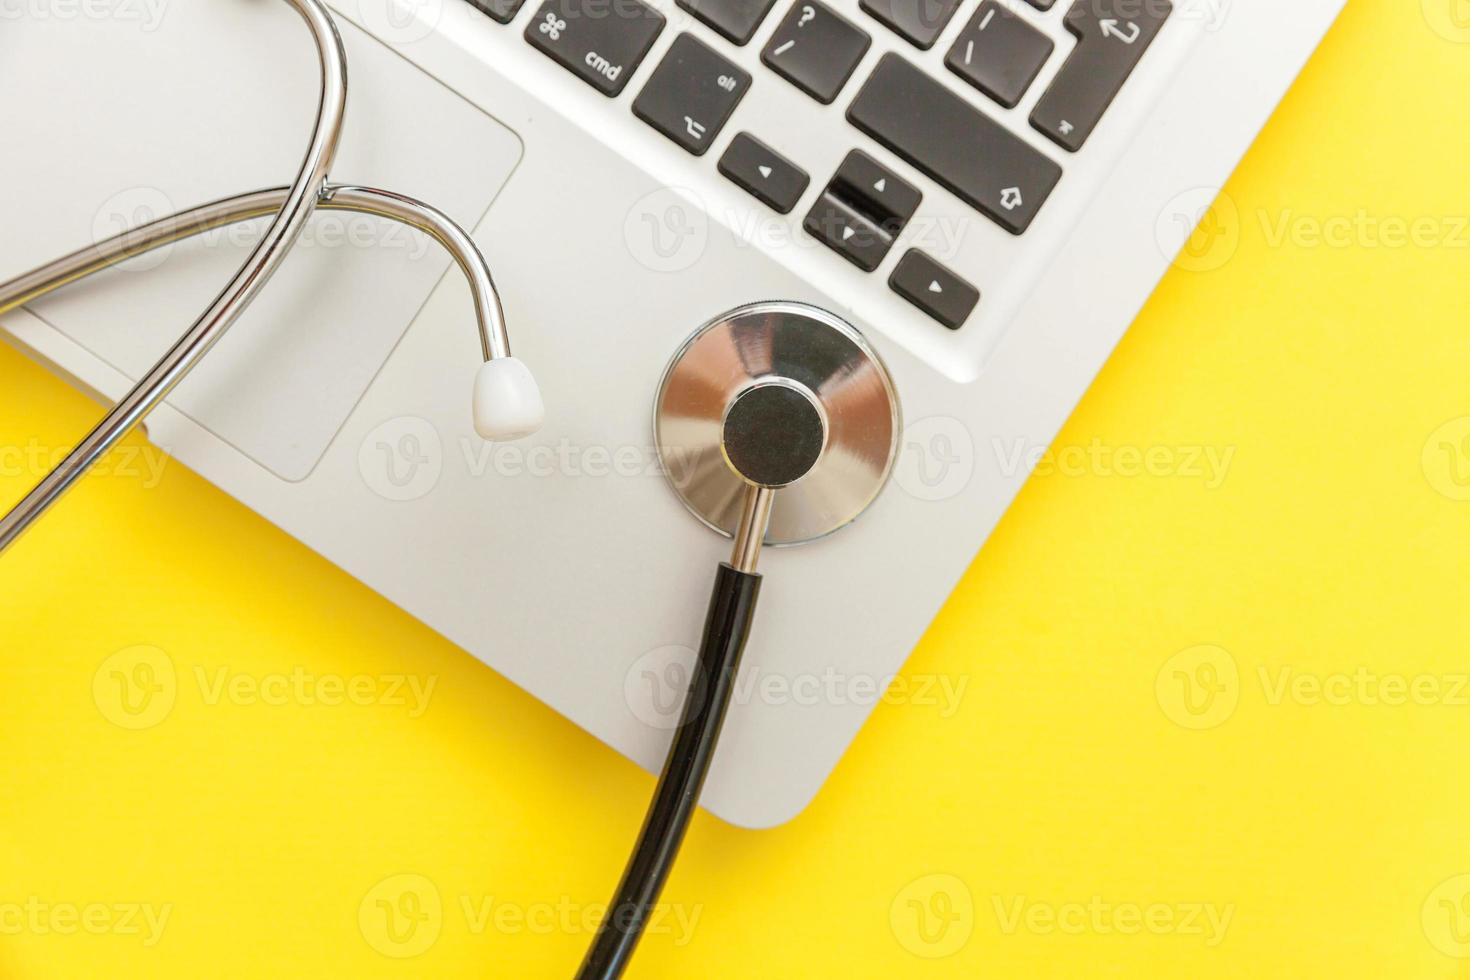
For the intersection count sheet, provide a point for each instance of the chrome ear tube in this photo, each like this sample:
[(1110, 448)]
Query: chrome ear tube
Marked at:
[(506, 400), (247, 282), (783, 426)]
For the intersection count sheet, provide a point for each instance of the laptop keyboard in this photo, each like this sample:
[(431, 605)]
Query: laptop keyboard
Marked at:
[(692, 92)]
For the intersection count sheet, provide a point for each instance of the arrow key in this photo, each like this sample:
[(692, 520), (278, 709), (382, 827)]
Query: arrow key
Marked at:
[(848, 233), (933, 288), (773, 180), (862, 210), (875, 191)]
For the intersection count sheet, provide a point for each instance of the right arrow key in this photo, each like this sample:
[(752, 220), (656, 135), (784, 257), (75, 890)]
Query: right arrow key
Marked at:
[(1112, 36), (934, 289)]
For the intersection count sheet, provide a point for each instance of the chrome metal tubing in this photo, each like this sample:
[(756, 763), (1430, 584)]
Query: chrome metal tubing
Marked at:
[(267, 256), (755, 517), (490, 316)]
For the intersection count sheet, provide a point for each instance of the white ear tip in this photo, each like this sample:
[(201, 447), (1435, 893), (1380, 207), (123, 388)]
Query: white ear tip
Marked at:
[(507, 400)]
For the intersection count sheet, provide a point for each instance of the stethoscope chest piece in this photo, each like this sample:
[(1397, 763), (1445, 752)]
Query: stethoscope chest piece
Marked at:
[(778, 364)]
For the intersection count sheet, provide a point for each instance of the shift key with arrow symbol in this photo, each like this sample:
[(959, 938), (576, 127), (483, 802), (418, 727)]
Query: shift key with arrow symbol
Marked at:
[(1112, 36)]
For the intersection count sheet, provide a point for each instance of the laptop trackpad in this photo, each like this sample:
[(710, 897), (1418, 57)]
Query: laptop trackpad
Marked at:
[(215, 99)]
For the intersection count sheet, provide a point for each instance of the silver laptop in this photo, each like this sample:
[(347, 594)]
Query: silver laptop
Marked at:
[(987, 189)]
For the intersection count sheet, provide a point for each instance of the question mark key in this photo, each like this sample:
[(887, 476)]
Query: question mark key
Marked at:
[(816, 49)]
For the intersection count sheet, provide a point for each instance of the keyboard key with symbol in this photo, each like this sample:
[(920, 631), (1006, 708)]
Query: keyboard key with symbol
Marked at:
[(760, 170), (691, 93), (600, 47), (816, 49), (836, 224), (933, 288), (1112, 36), (888, 199), (999, 53), (862, 210), (920, 21), (736, 20), (972, 155)]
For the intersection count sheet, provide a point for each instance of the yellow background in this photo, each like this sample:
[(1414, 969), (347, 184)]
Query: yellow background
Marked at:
[(1080, 774)]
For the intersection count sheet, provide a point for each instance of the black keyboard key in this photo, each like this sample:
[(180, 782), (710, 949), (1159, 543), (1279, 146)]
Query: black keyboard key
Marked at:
[(816, 49), (933, 288), (971, 154), (999, 53), (691, 93), (1112, 36), (501, 10), (873, 190), (862, 210), (848, 233), (735, 20), (599, 41), (773, 179), (920, 21)]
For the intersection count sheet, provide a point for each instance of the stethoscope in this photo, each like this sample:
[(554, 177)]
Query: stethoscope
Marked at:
[(771, 399)]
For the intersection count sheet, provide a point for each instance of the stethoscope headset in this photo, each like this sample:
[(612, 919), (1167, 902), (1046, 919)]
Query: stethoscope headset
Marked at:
[(776, 422)]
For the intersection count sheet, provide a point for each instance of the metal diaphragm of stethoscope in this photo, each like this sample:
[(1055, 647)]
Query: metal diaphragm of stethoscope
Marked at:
[(781, 421)]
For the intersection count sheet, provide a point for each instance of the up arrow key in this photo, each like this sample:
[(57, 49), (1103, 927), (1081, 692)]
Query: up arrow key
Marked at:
[(934, 286)]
